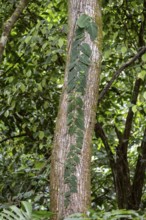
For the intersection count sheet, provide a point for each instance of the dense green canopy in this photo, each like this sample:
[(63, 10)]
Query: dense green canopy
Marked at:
[(31, 78)]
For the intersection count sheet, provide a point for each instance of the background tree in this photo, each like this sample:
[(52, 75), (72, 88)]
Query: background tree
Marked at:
[(125, 121)]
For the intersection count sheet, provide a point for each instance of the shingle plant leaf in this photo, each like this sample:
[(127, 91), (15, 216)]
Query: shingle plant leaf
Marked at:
[(92, 30), (83, 21), (80, 60)]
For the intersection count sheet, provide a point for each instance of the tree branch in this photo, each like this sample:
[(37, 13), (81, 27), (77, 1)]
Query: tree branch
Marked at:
[(13, 137), (142, 27), (99, 132), (9, 25), (117, 73), (129, 119), (118, 133)]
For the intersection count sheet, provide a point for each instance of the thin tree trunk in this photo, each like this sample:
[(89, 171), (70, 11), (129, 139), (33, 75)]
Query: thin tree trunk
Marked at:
[(79, 200), (9, 24)]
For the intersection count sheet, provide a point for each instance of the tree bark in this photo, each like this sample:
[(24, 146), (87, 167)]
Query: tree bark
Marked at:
[(80, 200), (138, 180)]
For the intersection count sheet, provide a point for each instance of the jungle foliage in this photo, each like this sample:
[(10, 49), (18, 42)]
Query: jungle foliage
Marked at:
[(31, 78)]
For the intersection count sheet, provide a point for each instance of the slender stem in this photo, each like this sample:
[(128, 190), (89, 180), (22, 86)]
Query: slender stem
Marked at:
[(117, 73), (13, 137), (9, 24)]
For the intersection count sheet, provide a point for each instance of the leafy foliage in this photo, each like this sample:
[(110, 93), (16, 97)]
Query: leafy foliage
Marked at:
[(24, 213), (31, 81), (113, 215)]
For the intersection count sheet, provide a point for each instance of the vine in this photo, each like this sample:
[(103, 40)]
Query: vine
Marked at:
[(77, 77)]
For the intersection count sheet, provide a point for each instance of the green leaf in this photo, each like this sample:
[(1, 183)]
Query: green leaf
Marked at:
[(83, 21), (60, 42), (27, 39), (70, 121), (75, 45), (80, 113), (78, 149), (28, 208), (72, 147), (124, 50), (22, 87), (82, 85), (72, 65), (6, 114), (84, 59), (46, 105), (71, 87), (85, 48), (82, 68), (76, 216), (28, 73), (41, 135), (92, 30), (144, 58), (134, 108), (79, 31), (10, 79), (79, 101), (144, 95), (79, 34), (71, 107), (79, 123), (72, 76), (72, 129), (42, 214), (142, 74), (66, 175), (73, 189), (67, 194), (19, 213), (79, 140), (73, 179), (76, 159)]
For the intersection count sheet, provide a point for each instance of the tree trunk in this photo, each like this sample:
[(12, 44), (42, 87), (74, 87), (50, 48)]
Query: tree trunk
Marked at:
[(71, 154)]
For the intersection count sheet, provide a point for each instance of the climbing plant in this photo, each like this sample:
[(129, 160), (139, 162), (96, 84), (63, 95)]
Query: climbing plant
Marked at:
[(77, 77)]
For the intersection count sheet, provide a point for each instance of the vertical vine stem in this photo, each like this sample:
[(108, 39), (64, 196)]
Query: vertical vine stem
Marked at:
[(78, 69)]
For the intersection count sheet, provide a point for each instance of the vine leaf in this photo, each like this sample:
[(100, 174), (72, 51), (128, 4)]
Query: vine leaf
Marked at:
[(84, 59), (71, 107), (79, 123), (76, 159), (80, 61), (72, 130), (92, 30), (67, 194), (85, 48), (83, 21), (71, 76), (79, 102), (73, 189)]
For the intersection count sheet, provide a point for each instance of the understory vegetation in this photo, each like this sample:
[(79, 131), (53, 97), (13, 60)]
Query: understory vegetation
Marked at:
[(31, 80)]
